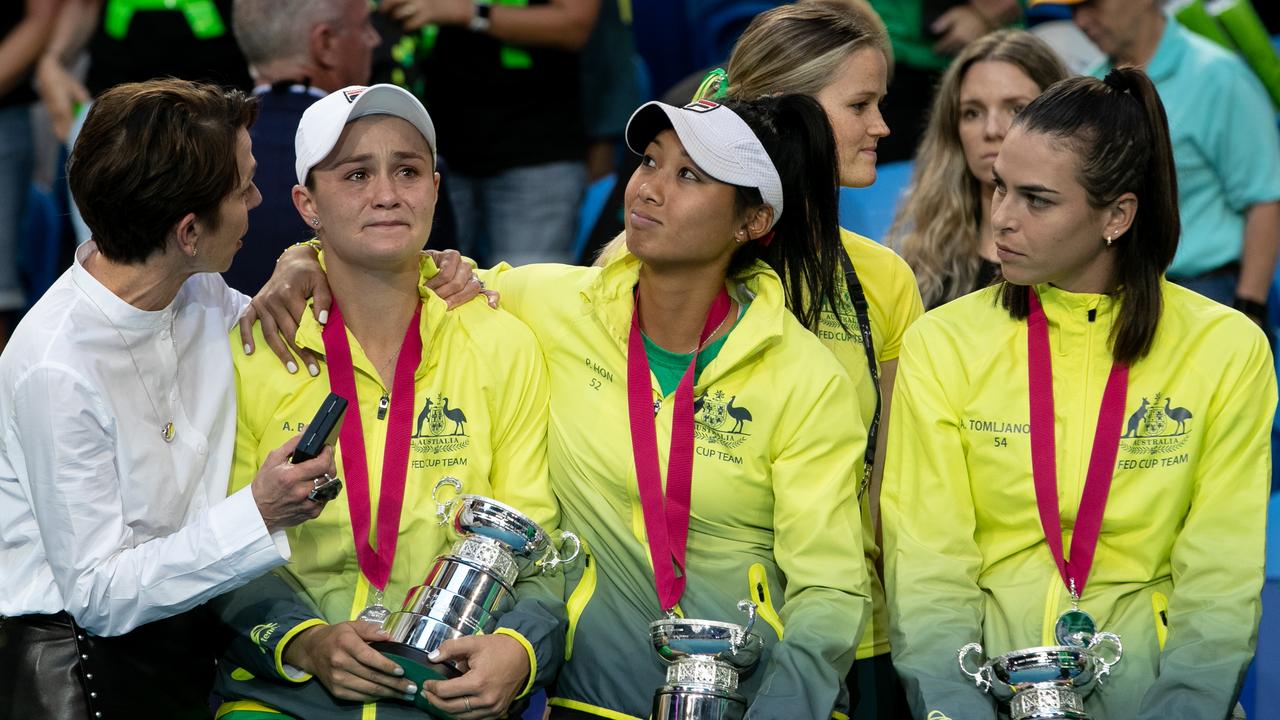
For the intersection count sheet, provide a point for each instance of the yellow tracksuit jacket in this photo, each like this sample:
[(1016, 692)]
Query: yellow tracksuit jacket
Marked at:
[(480, 412), (893, 300), (773, 511), (1179, 563)]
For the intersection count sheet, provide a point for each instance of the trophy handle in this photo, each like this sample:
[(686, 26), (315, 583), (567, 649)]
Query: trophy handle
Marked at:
[(442, 509), (1106, 639), (566, 538), (980, 677), (748, 607)]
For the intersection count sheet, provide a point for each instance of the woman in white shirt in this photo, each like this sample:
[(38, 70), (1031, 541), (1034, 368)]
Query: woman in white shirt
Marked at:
[(119, 420)]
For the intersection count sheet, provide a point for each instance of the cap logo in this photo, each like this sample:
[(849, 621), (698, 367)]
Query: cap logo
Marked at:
[(352, 94), (701, 106)]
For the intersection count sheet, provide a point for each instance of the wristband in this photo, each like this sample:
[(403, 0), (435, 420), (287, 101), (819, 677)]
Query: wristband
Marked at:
[(1252, 308)]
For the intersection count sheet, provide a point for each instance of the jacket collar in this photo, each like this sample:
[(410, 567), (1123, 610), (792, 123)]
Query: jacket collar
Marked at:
[(430, 322), (1068, 314), (609, 297)]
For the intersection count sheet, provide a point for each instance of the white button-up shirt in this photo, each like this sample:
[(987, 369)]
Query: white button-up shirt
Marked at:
[(99, 516)]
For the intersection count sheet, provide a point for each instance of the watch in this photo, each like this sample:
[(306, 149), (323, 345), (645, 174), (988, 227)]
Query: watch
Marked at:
[(480, 20), (1252, 308)]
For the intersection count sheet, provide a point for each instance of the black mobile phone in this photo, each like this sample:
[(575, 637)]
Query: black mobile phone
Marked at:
[(321, 431)]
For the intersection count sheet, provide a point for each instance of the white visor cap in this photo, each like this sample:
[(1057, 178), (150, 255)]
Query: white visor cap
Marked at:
[(322, 123), (717, 139)]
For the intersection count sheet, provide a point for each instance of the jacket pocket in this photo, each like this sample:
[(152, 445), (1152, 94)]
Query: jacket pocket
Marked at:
[(579, 598), (1160, 609), (758, 589)]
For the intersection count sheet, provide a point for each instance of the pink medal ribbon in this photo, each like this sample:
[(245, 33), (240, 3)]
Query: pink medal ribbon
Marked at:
[(1075, 626), (375, 564), (666, 520)]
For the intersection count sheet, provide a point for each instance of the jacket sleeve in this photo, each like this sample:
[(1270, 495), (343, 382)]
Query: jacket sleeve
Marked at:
[(818, 548), (1214, 607), (263, 616), (932, 561), (519, 477)]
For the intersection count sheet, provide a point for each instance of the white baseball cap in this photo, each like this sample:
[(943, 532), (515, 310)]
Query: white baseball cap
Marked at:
[(322, 123), (717, 139)]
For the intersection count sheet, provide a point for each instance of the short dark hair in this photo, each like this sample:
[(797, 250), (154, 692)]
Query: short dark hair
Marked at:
[(150, 153), (1118, 129)]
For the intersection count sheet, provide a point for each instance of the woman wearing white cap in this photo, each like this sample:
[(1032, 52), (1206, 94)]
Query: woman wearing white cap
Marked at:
[(681, 365), (680, 380), (475, 383)]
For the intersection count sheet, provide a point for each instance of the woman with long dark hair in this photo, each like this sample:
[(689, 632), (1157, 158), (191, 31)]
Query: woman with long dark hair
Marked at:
[(1084, 447), (751, 418)]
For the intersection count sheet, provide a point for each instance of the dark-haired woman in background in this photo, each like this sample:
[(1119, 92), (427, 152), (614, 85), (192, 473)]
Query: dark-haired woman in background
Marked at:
[(1084, 446)]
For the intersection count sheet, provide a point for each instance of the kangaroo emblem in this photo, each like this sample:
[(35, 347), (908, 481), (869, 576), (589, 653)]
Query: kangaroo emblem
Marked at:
[(422, 417), (1135, 420)]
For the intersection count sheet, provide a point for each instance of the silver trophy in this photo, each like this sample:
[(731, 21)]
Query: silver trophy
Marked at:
[(468, 589), (704, 660), (1044, 683)]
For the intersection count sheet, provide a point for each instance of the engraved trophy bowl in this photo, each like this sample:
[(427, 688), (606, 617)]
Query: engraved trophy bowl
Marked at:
[(468, 589), (1044, 683), (704, 659)]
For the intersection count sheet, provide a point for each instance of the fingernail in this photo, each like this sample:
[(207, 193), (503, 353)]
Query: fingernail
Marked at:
[(313, 369), (291, 366), (409, 697), (248, 349), (434, 655), (411, 690), (324, 316)]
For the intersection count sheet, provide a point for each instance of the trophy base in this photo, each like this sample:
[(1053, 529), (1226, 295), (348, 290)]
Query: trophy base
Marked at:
[(1053, 702), (685, 703), (418, 668)]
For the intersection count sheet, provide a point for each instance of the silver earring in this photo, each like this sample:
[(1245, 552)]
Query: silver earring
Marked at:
[(315, 221), (1110, 240), (195, 251)]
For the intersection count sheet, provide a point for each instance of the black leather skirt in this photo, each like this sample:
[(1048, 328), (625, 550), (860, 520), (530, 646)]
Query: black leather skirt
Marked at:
[(52, 668)]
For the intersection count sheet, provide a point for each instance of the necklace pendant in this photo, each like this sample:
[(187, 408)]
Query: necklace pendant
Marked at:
[(167, 432)]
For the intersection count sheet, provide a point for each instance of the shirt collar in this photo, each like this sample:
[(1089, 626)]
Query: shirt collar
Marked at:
[(1169, 53), (117, 311), (296, 88)]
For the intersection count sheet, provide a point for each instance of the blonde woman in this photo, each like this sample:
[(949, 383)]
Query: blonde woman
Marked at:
[(944, 228)]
